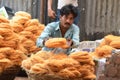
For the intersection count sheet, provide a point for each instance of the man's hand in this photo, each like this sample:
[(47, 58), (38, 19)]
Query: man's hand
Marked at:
[(69, 42), (51, 14), (46, 40)]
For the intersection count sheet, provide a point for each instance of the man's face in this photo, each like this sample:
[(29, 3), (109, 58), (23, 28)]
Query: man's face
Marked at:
[(66, 21)]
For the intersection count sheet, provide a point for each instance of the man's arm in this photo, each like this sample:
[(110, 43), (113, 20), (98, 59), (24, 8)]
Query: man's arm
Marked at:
[(43, 37), (51, 12), (76, 38)]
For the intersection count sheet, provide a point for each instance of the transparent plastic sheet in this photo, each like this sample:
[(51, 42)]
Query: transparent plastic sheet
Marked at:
[(86, 46)]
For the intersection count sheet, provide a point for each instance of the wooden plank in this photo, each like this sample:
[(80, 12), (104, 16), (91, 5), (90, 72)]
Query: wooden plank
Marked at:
[(108, 15), (93, 11), (97, 28), (88, 14), (111, 17), (34, 8), (118, 17), (103, 16), (99, 19), (41, 11), (29, 6), (16, 5), (114, 19), (82, 22)]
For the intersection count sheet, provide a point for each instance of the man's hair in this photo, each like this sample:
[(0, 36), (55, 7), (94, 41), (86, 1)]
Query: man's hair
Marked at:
[(69, 9)]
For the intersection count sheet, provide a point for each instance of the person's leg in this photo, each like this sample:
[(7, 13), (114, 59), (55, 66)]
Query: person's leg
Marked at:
[(77, 18), (58, 15)]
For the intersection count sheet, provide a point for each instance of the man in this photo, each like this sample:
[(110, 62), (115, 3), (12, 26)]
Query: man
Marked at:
[(63, 28), (61, 3)]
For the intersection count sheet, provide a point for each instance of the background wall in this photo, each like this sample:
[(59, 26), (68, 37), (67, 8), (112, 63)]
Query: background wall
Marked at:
[(99, 18)]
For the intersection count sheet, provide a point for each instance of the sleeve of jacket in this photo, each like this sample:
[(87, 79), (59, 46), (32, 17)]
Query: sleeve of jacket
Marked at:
[(45, 34), (76, 38)]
